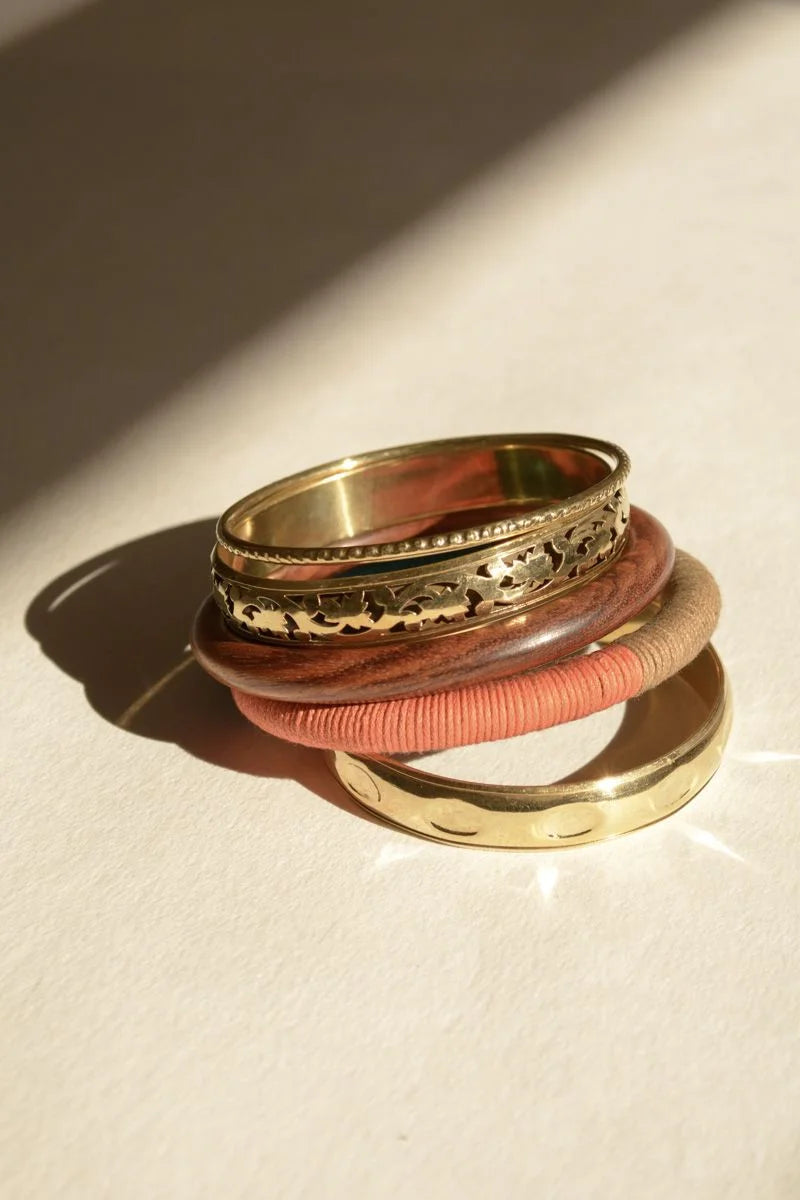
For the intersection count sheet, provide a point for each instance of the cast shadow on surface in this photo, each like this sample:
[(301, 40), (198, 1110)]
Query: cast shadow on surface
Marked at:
[(119, 624), (177, 177)]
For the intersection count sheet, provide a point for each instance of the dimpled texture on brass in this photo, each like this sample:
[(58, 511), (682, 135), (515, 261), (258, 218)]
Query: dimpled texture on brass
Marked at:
[(473, 587)]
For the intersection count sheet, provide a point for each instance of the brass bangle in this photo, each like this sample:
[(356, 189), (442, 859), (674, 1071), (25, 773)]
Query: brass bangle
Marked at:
[(377, 507), (428, 598), (561, 814), (336, 673)]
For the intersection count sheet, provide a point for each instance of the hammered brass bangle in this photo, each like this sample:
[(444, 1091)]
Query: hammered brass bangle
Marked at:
[(380, 506), (563, 814)]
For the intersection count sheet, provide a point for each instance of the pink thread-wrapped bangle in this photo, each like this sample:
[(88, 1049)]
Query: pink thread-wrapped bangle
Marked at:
[(573, 688)]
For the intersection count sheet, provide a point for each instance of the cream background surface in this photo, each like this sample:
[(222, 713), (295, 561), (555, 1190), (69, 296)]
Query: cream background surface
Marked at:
[(216, 979)]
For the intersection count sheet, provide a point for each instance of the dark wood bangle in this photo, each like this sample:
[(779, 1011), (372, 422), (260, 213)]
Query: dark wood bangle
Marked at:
[(349, 674)]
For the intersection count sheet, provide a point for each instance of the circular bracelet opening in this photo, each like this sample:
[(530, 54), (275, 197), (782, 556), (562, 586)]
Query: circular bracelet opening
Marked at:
[(388, 502)]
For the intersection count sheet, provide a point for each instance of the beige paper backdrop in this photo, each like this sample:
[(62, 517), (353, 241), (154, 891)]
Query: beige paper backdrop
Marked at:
[(241, 240)]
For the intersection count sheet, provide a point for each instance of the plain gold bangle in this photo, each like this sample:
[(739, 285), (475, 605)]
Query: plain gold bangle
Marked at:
[(376, 507), (562, 814)]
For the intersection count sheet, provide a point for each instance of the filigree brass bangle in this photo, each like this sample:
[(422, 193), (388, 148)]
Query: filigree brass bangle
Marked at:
[(561, 814), (427, 598), (340, 673), (379, 507)]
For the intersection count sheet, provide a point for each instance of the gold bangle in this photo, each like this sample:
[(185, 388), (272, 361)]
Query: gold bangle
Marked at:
[(478, 572), (563, 814), (427, 598), (548, 480)]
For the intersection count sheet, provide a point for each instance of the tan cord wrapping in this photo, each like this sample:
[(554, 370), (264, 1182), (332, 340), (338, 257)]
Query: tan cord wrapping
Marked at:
[(679, 631)]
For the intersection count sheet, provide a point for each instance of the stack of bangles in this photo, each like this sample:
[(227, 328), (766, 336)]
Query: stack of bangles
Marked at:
[(461, 591)]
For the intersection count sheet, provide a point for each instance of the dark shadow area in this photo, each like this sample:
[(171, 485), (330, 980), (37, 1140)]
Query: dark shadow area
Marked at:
[(119, 623), (176, 176)]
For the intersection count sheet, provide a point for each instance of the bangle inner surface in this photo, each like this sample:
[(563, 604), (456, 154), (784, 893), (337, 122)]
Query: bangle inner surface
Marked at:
[(411, 495)]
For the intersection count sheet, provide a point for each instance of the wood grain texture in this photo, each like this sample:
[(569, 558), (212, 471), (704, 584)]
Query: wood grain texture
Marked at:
[(496, 650)]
